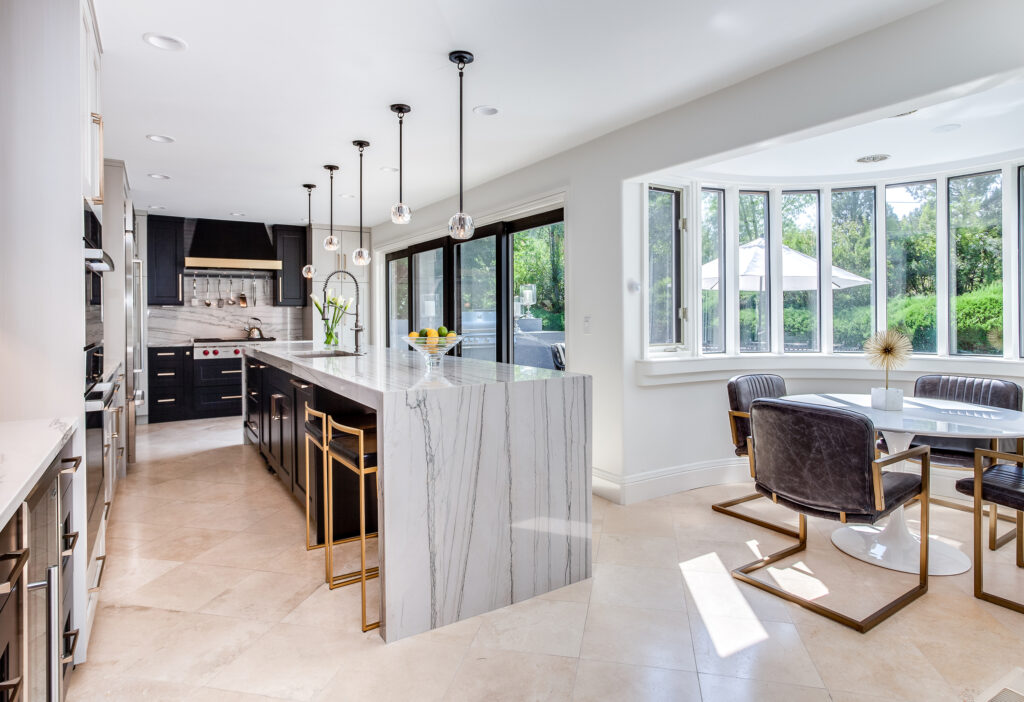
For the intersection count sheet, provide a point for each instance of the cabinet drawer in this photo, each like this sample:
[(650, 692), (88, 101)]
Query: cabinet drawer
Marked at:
[(166, 355), (166, 404), (165, 377), (221, 400), (220, 372)]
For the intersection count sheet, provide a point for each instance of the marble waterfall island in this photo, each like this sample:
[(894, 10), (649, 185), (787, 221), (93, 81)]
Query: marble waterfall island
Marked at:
[(484, 478)]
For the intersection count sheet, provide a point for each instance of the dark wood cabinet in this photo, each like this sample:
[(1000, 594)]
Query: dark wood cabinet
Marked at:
[(253, 393), (290, 248), (165, 260), (170, 383)]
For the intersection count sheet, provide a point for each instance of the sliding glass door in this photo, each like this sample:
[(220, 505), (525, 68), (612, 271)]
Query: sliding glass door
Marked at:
[(503, 290)]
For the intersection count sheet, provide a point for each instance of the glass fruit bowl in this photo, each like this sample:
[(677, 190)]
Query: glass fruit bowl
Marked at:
[(433, 348)]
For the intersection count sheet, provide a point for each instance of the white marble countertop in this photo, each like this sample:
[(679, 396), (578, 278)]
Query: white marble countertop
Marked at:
[(380, 371), (26, 450)]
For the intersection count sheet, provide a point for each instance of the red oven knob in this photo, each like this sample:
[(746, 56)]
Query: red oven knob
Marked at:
[(238, 351), (216, 352), (206, 352)]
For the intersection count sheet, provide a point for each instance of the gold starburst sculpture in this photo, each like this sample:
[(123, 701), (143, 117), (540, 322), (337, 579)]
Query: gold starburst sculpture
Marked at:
[(888, 349)]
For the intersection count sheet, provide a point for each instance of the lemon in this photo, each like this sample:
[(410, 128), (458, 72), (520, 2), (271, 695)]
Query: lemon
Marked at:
[(414, 335), (452, 335), (432, 333)]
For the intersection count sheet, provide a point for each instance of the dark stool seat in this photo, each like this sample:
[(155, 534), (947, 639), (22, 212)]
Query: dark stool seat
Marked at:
[(315, 430), (1002, 483), (346, 447)]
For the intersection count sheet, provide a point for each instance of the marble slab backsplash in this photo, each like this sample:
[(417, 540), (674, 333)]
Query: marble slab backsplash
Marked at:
[(171, 326)]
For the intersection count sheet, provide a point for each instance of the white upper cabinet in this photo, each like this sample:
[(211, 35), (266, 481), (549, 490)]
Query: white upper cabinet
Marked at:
[(91, 110)]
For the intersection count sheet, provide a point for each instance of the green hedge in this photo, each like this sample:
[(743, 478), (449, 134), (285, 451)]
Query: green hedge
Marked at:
[(979, 316)]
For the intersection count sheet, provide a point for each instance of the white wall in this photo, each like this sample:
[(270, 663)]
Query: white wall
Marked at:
[(652, 439), (42, 283)]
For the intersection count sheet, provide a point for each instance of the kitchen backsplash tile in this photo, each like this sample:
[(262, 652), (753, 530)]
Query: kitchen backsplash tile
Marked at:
[(170, 326)]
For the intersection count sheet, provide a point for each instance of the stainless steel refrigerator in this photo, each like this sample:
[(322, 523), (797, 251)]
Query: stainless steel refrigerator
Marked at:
[(134, 308)]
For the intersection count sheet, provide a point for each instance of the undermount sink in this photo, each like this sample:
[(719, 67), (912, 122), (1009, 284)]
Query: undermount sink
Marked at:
[(326, 354)]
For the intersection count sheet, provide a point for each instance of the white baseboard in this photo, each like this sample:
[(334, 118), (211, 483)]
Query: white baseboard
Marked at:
[(625, 490)]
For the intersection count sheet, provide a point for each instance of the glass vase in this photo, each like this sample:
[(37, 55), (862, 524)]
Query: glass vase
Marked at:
[(331, 337)]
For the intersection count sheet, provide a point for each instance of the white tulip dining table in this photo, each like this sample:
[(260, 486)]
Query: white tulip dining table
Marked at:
[(894, 546)]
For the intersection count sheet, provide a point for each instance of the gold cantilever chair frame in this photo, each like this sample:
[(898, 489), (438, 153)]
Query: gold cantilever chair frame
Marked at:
[(995, 541), (726, 507), (361, 470), (872, 620), (1018, 532), (309, 438)]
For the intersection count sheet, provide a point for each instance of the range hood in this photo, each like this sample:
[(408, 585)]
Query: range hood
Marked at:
[(98, 261), (225, 244)]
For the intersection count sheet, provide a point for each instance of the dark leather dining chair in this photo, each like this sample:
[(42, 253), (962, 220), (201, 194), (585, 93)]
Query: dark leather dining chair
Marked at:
[(958, 454), (744, 389), (831, 472), (999, 480)]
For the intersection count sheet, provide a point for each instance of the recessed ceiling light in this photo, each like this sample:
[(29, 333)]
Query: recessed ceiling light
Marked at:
[(389, 169), (164, 41), (159, 176), (237, 214), (160, 138), (486, 110), (904, 114), (157, 207), (945, 128), (873, 158), (347, 196)]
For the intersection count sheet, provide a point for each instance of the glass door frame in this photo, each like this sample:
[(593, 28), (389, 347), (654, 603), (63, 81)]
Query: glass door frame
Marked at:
[(503, 234)]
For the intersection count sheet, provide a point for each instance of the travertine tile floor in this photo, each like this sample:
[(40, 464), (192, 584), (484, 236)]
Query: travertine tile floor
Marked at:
[(209, 595)]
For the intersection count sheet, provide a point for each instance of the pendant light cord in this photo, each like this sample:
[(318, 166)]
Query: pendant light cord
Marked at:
[(462, 66), (330, 232), (360, 197), (400, 116)]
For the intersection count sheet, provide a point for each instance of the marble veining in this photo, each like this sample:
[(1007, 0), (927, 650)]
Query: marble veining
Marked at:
[(484, 478), (27, 448), (173, 326)]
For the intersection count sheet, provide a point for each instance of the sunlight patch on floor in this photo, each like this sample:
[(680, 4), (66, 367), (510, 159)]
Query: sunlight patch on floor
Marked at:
[(729, 634), (798, 579)]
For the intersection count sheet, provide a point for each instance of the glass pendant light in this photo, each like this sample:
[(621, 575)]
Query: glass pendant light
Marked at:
[(460, 226), (360, 256), (331, 242), (308, 271), (400, 212)]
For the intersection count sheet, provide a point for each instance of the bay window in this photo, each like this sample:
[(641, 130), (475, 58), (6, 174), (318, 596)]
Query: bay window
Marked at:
[(754, 272), (910, 263), (800, 298), (853, 279), (712, 258), (976, 264), (664, 245)]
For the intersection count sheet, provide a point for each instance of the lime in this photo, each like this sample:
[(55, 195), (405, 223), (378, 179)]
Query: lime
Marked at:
[(442, 330), (423, 331)]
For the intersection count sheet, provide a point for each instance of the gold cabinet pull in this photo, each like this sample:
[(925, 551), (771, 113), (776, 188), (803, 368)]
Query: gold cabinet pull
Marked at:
[(76, 460), (229, 372), (280, 289), (165, 353), (231, 397), (74, 542), (99, 576), (300, 385), (97, 119), (166, 399), (179, 288), (20, 558), (69, 655), (167, 374)]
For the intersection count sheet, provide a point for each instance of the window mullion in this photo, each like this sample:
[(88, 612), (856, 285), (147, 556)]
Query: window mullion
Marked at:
[(775, 270), (881, 299), (731, 306), (825, 268), (942, 267), (1011, 260)]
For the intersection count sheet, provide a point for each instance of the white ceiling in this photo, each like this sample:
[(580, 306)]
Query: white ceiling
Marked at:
[(989, 130), (268, 91)]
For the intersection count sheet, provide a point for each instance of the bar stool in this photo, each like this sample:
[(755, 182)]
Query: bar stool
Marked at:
[(354, 447), (315, 433)]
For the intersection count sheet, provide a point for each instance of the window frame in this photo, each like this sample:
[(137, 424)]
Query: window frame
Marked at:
[(678, 338), (950, 267), (768, 243), (820, 312), (876, 291), (503, 232), (723, 270)]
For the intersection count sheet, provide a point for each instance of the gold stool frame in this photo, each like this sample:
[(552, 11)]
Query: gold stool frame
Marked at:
[(361, 471)]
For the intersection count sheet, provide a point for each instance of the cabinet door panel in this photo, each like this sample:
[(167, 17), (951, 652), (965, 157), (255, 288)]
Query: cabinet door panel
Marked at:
[(166, 260), (290, 245)]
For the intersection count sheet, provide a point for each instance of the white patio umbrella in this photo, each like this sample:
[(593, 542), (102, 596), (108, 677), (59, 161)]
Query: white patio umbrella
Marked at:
[(799, 271)]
